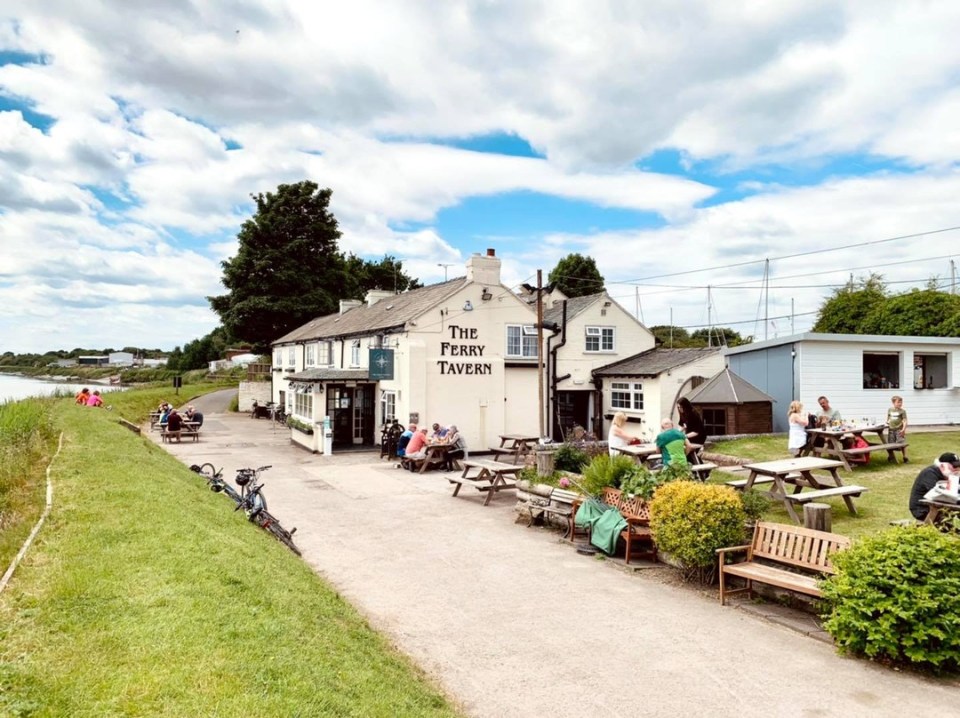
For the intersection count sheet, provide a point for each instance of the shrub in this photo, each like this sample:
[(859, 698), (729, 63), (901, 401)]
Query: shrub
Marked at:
[(570, 458), (605, 470), (640, 482), (301, 426), (754, 504), (690, 521), (675, 472), (896, 596)]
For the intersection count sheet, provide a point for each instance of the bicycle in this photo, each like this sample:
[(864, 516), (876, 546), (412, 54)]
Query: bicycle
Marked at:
[(254, 505), (216, 482)]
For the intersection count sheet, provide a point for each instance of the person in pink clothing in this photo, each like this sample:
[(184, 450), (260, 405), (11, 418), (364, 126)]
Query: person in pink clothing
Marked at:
[(416, 449), (94, 399)]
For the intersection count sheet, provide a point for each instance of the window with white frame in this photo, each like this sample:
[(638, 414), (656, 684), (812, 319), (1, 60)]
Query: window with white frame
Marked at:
[(355, 353), (303, 405), (324, 354), (278, 357), (292, 356), (627, 395), (388, 406), (599, 339), (311, 355), (521, 341)]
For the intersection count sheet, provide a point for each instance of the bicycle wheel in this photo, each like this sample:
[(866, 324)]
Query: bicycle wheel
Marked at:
[(207, 471), (269, 522)]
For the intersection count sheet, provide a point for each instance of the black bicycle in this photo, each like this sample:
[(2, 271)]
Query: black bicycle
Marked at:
[(254, 505), (216, 482)]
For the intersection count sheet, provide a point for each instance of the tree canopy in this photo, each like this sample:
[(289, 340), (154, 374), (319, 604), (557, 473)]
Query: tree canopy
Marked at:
[(680, 338), (865, 307), (577, 276), (289, 269)]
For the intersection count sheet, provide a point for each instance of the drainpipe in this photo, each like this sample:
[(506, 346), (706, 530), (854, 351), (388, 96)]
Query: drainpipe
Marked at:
[(554, 379)]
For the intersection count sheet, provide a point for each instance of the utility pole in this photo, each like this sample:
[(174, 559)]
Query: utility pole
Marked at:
[(792, 330), (441, 264), (671, 327), (953, 277), (709, 317), (540, 407), (766, 294)]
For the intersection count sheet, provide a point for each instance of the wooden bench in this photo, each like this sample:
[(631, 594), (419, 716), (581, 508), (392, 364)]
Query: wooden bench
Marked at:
[(491, 479), (846, 491), (564, 508), (738, 484), (900, 446), (701, 472), (497, 451), (636, 512), (168, 436), (793, 546)]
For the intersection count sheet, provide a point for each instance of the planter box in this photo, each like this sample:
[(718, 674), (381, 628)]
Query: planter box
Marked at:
[(311, 442)]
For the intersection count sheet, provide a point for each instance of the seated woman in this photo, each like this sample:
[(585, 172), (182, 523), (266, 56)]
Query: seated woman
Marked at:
[(617, 437), (797, 428)]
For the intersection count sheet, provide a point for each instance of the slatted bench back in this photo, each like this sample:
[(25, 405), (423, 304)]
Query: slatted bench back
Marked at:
[(635, 506), (797, 546)]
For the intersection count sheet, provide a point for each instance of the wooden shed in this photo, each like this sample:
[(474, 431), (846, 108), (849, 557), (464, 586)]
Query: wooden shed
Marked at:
[(731, 405)]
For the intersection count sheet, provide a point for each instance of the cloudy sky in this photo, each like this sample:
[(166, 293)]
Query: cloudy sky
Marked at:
[(680, 144)]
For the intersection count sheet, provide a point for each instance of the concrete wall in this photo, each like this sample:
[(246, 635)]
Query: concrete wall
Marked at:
[(250, 390)]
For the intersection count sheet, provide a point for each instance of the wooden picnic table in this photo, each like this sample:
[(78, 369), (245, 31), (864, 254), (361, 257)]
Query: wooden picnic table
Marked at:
[(188, 429), (832, 443), (491, 479), (437, 456), (640, 452), (518, 445), (936, 508), (798, 474)]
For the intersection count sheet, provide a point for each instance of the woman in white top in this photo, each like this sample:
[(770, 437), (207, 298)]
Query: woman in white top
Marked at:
[(617, 436), (797, 423)]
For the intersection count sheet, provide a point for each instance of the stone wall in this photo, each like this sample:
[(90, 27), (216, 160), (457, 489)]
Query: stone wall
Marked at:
[(250, 390)]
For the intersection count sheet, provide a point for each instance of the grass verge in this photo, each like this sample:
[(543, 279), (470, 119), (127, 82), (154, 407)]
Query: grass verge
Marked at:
[(147, 596), (889, 484)]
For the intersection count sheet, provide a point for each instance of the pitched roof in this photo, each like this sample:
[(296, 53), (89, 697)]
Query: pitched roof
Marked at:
[(391, 313), (653, 362), (576, 305), (727, 388)]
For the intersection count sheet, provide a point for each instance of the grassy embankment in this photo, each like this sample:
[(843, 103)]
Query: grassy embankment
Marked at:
[(146, 595), (888, 484)]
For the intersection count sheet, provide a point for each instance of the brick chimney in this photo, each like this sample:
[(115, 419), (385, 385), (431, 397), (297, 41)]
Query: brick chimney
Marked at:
[(484, 269)]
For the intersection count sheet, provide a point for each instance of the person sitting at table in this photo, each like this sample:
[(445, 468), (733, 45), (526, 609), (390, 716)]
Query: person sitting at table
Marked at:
[(946, 465), (692, 424), (174, 424), (458, 447), (797, 428), (193, 415), (403, 442), (94, 399), (439, 432), (617, 437), (672, 443), (827, 413), (82, 396), (164, 412), (416, 449)]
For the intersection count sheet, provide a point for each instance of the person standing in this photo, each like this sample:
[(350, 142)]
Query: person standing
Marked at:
[(946, 465), (617, 437), (897, 426), (692, 424), (797, 428)]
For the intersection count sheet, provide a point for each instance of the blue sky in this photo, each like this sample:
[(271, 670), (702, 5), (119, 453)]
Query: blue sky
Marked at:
[(678, 155)]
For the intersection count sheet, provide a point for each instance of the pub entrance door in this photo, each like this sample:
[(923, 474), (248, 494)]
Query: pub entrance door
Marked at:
[(351, 413)]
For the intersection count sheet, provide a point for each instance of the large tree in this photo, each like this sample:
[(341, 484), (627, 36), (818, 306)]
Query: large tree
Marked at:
[(288, 268), (847, 310), (917, 313), (577, 276)]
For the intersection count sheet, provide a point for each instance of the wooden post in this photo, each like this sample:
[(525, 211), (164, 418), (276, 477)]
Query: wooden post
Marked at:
[(817, 517), (544, 463)]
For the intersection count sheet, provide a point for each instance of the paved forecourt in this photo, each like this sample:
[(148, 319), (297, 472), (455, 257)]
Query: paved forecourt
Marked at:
[(511, 622)]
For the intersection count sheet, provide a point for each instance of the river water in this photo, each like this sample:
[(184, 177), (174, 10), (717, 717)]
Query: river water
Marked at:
[(13, 388)]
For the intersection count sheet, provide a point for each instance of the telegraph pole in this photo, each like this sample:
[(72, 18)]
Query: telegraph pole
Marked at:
[(540, 407)]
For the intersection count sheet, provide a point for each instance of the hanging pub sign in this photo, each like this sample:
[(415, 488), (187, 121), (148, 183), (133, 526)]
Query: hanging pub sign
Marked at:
[(381, 364)]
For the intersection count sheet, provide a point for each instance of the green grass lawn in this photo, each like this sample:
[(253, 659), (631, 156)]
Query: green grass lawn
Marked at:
[(146, 595), (889, 484)]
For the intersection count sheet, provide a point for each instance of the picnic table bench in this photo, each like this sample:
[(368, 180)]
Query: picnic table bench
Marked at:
[(798, 473), (491, 478), (830, 443), (562, 504), (190, 430), (790, 546), (517, 444)]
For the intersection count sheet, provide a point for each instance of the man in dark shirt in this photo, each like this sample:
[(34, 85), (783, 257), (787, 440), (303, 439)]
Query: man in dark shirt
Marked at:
[(944, 466)]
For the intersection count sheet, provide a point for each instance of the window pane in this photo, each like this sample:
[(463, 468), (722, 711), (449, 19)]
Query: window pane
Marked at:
[(593, 344), (514, 341), (607, 340), (881, 371)]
